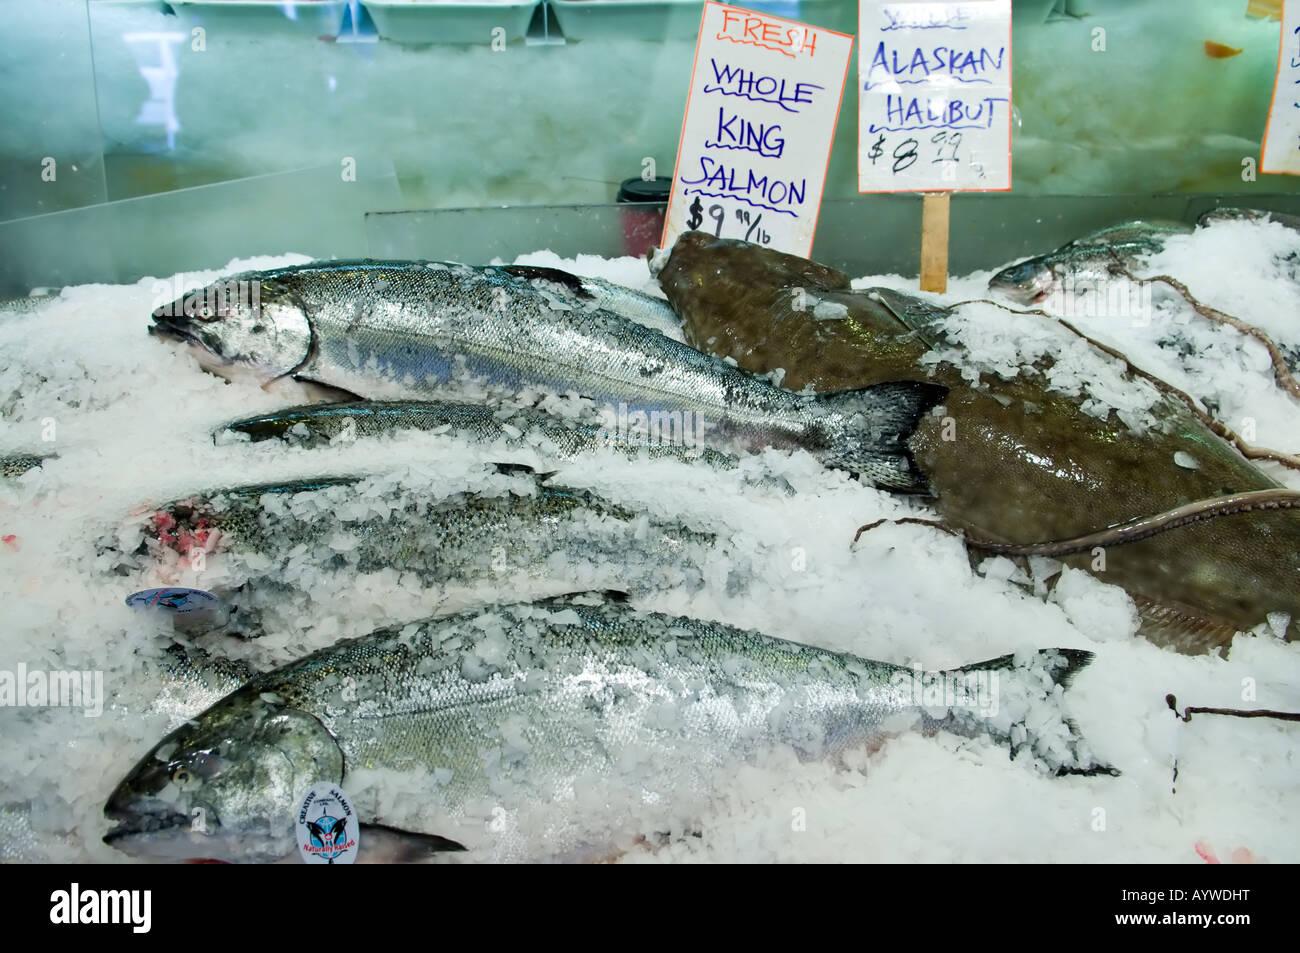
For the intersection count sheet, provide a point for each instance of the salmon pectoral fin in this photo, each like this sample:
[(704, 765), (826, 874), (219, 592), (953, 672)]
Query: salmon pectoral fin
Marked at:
[(382, 844), (308, 391), (522, 469)]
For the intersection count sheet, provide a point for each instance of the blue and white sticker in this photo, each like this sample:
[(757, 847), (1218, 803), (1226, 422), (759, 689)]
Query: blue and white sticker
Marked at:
[(328, 830), (174, 599)]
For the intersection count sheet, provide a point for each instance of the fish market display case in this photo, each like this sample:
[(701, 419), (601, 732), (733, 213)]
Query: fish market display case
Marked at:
[(168, 172), (140, 106)]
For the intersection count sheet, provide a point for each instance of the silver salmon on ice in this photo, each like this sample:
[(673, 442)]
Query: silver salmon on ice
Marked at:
[(562, 438), (401, 330), (288, 557), (1085, 263), (554, 730)]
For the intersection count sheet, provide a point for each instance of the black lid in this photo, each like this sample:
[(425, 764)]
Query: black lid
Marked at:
[(639, 190)]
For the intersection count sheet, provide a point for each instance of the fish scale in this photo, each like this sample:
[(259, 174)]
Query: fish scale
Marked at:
[(15, 465)]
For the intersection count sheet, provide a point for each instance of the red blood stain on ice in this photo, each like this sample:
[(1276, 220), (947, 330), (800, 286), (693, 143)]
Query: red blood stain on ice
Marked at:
[(11, 541), (1241, 855), (189, 540), (163, 524), (197, 534)]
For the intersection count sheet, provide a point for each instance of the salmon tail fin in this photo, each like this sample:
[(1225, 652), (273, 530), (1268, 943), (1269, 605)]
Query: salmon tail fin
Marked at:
[(1018, 700), (866, 431)]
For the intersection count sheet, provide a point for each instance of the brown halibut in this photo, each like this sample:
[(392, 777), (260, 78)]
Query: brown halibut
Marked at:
[(1022, 464)]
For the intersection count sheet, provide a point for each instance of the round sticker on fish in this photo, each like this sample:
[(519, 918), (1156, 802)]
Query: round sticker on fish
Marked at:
[(174, 599), (328, 830)]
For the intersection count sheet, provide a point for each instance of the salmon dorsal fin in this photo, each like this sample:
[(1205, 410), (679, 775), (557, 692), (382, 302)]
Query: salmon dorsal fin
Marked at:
[(531, 272), (587, 597)]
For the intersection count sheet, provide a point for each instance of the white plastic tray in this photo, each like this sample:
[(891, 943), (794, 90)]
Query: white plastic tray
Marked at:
[(447, 21)]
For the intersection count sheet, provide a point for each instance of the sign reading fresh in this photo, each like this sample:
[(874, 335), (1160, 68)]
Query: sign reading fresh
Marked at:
[(1281, 149), (765, 94)]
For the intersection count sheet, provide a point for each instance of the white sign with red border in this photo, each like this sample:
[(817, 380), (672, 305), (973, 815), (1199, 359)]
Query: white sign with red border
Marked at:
[(764, 98), (934, 96), (1280, 152)]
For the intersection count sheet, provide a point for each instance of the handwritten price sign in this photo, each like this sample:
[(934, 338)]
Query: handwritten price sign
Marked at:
[(764, 97), (1281, 151), (934, 96)]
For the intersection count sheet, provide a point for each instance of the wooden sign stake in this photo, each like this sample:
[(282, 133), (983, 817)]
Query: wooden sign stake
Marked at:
[(934, 242)]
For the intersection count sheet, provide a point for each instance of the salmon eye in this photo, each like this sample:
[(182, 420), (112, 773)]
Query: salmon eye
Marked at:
[(181, 775)]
